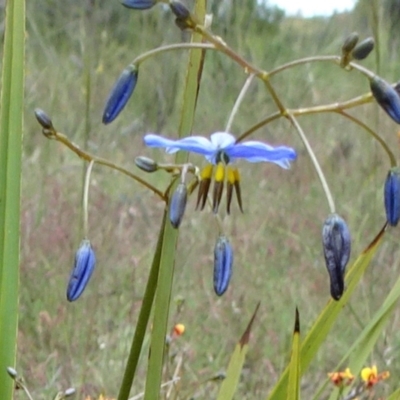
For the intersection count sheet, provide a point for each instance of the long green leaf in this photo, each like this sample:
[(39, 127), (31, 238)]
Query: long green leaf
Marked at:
[(229, 384), (293, 391), (11, 117), (165, 278), (143, 318), (327, 317)]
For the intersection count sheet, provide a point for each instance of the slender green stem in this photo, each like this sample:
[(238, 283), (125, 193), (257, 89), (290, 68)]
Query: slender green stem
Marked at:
[(60, 137), (143, 318), (85, 199), (259, 125), (332, 59), (333, 107), (171, 47), (306, 60), (22, 386), (314, 160), (375, 135), (238, 101)]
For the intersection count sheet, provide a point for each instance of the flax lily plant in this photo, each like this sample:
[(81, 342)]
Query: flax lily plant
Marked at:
[(222, 150)]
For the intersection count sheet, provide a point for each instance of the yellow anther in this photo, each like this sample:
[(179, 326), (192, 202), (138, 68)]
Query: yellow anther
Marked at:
[(219, 173), (231, 175), (206, 172), (236, 174)]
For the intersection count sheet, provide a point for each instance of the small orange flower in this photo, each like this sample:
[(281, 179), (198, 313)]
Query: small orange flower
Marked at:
[(178, 330), (371, 377), (341, 378)]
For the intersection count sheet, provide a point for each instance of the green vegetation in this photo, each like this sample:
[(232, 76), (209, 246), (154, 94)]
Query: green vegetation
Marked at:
[(74, 54)]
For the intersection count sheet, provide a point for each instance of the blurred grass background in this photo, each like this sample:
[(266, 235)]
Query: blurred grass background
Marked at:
[(75, 51)]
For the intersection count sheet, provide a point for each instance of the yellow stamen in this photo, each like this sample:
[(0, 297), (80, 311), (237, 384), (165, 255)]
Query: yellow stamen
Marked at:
[(206, 172), (219, 172)]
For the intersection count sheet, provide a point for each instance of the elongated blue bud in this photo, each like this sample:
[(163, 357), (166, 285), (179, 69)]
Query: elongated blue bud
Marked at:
[(120, 93), (392, 196), (387, 97), (223, 261), (178, 205), (85, 261), (139, 4), (336, 242), (363, 49)]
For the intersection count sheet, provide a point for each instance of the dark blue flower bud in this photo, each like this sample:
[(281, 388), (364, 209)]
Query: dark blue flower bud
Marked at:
[(387, 97), (139, 4), (120, 93), (363, 49), (85, 261), (392, 196), (146, 164), (350, 43), (43, 119), (180, 10), (223, 261), (336, 242), (178, 205)]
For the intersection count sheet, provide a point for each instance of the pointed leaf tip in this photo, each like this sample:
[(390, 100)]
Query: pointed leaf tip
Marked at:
[(297, 322), (246, 335)]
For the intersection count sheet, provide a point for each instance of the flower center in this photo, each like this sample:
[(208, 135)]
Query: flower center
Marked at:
[(222, 157)]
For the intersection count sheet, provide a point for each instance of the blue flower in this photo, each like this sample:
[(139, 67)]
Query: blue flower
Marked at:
[(220, 150), (85, 261), (222, 146)]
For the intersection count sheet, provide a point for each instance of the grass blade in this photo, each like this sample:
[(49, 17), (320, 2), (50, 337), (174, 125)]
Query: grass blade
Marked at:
[(229, 384), (293, 391), (143, 319), (165, 279), (12, 96)]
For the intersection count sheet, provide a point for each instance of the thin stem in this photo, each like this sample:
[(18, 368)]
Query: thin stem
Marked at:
[(375, 135), (306, 60), (85, 199), (20, 384), (60, 137), (334, 107), (177, 46), (333, 59), (238, 102), (314, 160), (249, 68), (258, 125)]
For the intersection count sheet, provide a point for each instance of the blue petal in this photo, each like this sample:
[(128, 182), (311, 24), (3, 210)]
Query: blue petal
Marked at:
[(253, 151), (222, 140), (195, 144)]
